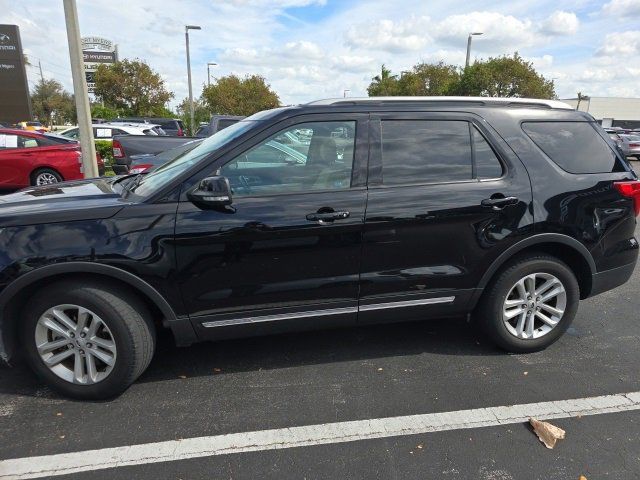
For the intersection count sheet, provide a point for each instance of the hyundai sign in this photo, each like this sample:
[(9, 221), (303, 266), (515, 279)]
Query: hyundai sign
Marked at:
[(15, 104), (96, 50)]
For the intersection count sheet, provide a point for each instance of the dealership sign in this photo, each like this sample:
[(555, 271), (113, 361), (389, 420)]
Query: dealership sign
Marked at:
[(96, 51), (15, 104)]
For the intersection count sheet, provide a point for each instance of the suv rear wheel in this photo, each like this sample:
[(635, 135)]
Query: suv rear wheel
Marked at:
[(87, 341), (530, 304)]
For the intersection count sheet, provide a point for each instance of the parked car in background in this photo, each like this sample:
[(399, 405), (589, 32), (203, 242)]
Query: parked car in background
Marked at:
[(172, 126), (127, 147), (30, 158), (217, 122), (147, 161), (106, 131), (33, 126), (622, 145), (633, 144)]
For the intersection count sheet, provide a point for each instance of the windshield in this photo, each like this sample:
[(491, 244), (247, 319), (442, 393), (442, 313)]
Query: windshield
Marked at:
[(154, 181)]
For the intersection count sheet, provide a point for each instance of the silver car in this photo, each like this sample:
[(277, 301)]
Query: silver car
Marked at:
[(619, 141), (632, 143)]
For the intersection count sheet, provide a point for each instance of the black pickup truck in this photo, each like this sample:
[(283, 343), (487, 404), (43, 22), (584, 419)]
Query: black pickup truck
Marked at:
[(129, 148)]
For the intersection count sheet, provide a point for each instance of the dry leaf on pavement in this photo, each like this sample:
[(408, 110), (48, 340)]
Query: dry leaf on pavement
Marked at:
[(547, 433)]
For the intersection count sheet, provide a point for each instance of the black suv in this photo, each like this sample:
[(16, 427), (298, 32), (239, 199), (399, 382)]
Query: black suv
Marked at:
[(388, 209)]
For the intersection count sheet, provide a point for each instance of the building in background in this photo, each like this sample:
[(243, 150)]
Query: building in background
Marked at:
[(610, 111), (15, 103), (97, 50)]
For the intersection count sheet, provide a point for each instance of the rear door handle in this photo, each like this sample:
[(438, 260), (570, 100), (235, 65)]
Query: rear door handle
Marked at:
[(327, 217), (499, 203)]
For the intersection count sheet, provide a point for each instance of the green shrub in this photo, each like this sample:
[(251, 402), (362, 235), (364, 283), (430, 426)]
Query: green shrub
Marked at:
[(104, 148)]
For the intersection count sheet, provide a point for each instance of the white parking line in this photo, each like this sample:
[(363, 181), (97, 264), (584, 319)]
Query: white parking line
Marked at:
[(339, 432)]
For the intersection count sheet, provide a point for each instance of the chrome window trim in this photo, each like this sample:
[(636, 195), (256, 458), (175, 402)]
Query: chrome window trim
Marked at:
[(326, 312)]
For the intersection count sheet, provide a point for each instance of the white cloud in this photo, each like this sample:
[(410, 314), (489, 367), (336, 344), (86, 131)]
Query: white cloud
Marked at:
[(498, 29), (541, 63), (560, 23), (627, 8), (622, 44), (392, 36)]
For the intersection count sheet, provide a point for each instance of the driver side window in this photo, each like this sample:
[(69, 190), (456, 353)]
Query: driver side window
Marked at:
[(309, 156)]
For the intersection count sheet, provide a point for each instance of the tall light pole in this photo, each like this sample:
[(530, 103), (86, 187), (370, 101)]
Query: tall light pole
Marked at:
[(469, 47), (210, 64), (186, 36), (81, 95), (344, 93)]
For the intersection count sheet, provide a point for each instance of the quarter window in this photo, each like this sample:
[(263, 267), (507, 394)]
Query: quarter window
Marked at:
[(425, 151), (26, 142), (309, 156), (487, 163), (574, 146)]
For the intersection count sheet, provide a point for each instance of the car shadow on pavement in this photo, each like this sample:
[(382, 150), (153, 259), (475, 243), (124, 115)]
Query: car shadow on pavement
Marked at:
[(452, 336)]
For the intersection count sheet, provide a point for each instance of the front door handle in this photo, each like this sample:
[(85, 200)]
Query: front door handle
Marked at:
[(498, 203), (327, 217)]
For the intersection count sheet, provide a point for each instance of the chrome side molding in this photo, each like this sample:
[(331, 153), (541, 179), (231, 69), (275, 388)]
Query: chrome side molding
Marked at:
[(327, 312), (406, 303), (282, 316)]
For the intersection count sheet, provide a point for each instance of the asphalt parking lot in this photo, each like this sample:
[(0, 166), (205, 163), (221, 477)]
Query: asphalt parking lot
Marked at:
[(324, 378)]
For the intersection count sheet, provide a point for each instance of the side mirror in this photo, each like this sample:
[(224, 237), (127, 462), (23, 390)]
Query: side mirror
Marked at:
[(211, 192)]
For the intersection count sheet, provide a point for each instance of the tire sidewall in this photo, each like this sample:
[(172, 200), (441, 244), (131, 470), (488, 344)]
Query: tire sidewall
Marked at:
[(503, 286), (119, 378), (34, 177)]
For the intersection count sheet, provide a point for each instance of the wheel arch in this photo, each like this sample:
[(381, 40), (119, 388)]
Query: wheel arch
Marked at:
[(16, 294), (566, 248)]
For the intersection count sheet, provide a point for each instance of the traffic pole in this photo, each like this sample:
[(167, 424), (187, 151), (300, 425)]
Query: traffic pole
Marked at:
[(81, 94)]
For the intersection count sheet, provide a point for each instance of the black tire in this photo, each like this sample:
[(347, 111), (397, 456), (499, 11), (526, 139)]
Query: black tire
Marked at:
[(489, 311), (126, 316), (45, 171)]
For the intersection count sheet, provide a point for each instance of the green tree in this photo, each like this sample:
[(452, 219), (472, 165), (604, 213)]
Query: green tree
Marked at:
[(51, 103), (133, 87), (201, 112), (506, 76), (384, 84), (232, 95), (429, 79), (104, 112)]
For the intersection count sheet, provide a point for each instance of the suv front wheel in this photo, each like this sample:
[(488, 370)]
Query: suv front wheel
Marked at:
[(530, 304), (87, 341)]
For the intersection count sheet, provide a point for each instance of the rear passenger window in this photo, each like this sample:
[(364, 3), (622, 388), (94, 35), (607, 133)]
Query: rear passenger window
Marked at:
[(425, 151), (574, 146), (487, 163)]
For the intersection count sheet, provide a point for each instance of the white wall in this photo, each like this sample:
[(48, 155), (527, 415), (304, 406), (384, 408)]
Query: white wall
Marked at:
[(609, 107)]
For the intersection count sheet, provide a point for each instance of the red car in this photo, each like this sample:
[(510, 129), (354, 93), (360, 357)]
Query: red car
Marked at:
[(30, 158)]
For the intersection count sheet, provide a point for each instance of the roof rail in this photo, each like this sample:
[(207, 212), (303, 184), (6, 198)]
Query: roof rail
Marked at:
[(483, 101)]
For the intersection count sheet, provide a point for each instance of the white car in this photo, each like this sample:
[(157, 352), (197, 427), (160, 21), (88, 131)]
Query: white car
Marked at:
[(106, 131)]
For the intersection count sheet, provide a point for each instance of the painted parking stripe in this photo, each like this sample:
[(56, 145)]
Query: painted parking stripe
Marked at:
[(339, 432)]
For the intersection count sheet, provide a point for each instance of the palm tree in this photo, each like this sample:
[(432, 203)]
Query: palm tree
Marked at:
[(383, 84)]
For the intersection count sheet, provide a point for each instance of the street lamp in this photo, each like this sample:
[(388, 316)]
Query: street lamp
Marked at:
[(186, 36), (469, 47), (344, 92), (210, 64)]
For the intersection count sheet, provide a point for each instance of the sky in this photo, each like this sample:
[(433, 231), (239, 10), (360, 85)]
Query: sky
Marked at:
[(313, 49)]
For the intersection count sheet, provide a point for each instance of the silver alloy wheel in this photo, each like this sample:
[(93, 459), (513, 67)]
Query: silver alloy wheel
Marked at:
[(75, 344), (46, 178), (534, 306)]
